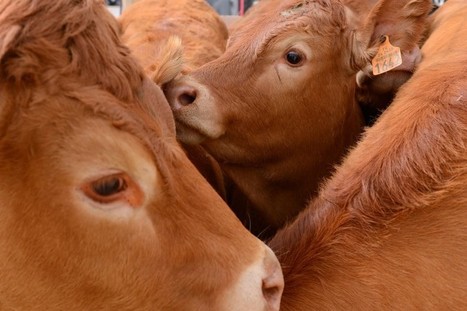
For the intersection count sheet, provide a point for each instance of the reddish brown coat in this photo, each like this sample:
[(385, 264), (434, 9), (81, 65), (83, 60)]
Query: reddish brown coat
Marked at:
[(389, 230), (99, 207)]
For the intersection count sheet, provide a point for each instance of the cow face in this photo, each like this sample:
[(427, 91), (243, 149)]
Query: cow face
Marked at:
[(277, 74), (280, 101), (294, 63), (276, 109), (100, 208)]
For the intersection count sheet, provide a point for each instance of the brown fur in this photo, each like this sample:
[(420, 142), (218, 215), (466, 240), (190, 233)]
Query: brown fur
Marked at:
[(73, 106), (278, 131), (389, 230), (147, 24)]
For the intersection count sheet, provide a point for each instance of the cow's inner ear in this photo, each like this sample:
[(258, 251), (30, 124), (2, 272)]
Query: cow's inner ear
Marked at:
[(402, 21)]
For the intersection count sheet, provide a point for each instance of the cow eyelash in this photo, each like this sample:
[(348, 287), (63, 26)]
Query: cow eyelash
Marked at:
[(106, 189)]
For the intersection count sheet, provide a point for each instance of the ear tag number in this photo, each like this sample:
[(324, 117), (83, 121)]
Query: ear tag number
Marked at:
[(387, 58)]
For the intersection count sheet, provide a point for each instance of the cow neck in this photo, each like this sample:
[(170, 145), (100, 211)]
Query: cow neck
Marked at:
[(279, 189), (394, 171)]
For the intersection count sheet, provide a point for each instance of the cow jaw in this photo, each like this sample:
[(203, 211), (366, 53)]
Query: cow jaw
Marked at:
[(195, 122)]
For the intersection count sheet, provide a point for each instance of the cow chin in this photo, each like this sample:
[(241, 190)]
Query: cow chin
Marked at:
[(189, 135), (194, 127)]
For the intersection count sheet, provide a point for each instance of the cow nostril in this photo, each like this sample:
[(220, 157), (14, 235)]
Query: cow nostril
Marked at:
[(187, 98), (272, 291), (273, 281)]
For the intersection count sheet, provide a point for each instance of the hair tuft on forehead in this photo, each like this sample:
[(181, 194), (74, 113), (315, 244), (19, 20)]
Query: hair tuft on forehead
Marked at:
[(43, 41), (318, 16)]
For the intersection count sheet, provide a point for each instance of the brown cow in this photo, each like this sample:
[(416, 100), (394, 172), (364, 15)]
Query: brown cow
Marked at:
[(389, 230), (171, 36), (278, 108), (99, 207)]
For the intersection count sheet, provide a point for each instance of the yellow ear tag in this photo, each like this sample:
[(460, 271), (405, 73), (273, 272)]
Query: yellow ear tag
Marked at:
[(387, 58)]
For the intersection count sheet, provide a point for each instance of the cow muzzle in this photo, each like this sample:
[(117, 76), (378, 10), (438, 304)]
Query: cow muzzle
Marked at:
[(259, 288), (195, 110)]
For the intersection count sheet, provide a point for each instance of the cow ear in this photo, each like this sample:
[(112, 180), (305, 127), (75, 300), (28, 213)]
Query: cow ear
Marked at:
[(402, 21), (8, 39)]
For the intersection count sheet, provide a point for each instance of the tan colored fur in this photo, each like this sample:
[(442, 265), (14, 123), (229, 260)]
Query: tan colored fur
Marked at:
[(75, 106), (148, 24)]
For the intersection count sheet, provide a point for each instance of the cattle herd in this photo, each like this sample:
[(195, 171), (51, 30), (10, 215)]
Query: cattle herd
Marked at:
[(175, 159)]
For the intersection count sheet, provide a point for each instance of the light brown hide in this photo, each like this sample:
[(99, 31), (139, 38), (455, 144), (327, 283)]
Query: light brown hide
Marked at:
[(149, 26), (99, 207)]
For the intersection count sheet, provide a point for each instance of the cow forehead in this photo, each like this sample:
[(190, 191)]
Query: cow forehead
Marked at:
[(148, 118), (299, 8), (143, 118), (318, 17)]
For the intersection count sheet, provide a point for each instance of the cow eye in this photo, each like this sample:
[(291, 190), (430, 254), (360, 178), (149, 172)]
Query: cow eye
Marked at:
[(108, 186), (105, 189), (294, 58)]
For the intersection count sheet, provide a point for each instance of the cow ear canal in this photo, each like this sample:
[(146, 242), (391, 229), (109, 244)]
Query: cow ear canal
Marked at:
[(113, 188)]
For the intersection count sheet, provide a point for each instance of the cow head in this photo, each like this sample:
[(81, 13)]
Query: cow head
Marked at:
[(284, 89), (294, 58), (99, 206)]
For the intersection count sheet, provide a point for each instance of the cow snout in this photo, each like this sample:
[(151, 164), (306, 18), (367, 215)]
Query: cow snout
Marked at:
[(195, 109), (259, 287), (181, 95), (273, 282)]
